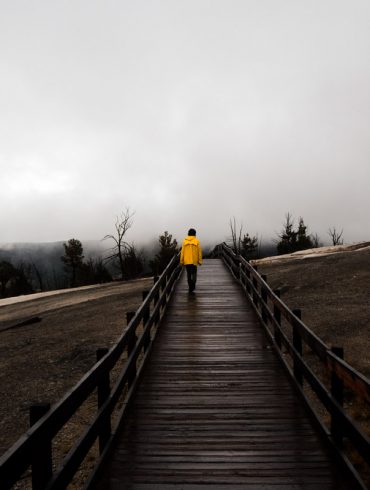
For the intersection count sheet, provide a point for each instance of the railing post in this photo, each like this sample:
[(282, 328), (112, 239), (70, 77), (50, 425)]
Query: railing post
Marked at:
[(42, 465), (103, 394), (255, 295), (277, 317), (163, 287), (247, 282), (337, 394), (132, 339), (297, 344), (264, 299), (236, 263), (146, 316), (129, 316), (255, 286), (156, 299)]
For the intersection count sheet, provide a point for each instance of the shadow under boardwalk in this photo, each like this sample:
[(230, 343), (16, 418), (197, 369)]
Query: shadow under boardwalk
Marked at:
[(215, 408)]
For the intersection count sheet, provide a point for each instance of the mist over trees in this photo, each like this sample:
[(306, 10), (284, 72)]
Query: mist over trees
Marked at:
[(30, 267), (15, 280), (291, 238), (38, 267)]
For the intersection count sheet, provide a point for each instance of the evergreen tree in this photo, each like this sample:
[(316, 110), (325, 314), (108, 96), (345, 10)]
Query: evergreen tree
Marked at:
[(22, 281), (7, 272), (133, 263), (304, 241), (168, 248), (288, 237), (292, 240), (249, 246), (94, 272), (73, 258)]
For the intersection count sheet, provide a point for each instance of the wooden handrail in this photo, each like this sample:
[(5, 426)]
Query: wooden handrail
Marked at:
[(271, 310), (20, 456)]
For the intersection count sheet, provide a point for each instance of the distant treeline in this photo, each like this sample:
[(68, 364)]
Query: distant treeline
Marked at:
[(28, 267), (291, 238)]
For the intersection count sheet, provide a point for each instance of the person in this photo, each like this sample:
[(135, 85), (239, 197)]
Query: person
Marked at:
[(191, 257)]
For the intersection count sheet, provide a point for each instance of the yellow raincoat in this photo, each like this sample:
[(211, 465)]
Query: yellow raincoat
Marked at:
[(191, 252)]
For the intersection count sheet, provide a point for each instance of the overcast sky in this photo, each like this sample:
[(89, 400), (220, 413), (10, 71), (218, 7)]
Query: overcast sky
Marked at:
[(189, 112)]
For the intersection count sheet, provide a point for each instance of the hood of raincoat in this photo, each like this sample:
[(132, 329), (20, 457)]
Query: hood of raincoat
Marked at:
[(191, 240), (191, 252)]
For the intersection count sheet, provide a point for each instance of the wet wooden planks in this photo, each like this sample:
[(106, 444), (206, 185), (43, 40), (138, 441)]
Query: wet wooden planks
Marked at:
[(214, 408)]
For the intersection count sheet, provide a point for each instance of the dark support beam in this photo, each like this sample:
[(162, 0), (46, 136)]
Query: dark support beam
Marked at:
[(146, 316), (156, 299), (297, 344), (130, 347), (337, 393), (255, 286), (103, 394), (264, 299), (277, 317), (41, 461)]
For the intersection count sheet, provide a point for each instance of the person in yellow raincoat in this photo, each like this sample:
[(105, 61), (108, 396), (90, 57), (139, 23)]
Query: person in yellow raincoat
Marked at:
[(191, 257)]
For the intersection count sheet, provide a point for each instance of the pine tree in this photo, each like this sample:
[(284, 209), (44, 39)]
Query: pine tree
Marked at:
[(73, 258), (292, 240), (168, 248), (304, 241), (7, 272), (249, 246), (288, 237)]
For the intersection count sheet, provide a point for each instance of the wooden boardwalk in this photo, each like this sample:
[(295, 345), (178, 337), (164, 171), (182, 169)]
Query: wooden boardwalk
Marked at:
[(214, 408)]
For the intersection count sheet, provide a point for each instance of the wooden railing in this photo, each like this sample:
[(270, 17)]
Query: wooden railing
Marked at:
[(34, 448), (320, 374)]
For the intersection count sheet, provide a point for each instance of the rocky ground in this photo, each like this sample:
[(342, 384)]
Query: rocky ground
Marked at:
[(332, 290), (42, 361)]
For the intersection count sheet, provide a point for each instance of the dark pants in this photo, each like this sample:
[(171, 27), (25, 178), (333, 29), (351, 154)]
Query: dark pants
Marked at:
[(191, 271)]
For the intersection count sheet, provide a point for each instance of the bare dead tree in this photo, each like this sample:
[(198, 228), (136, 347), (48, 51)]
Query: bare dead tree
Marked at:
[(39, 275), (316, 241), (243, 244), (236, 236), (336, 237), (120, 247)]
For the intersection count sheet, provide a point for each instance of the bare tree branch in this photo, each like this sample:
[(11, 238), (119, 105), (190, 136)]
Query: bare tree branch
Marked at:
[(236, 237), (336, 237), (122, 225)]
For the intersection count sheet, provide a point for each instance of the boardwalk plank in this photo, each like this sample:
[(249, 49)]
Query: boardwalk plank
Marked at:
[(214, 408)]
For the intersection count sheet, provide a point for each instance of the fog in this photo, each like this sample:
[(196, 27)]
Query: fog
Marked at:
[(188, 113)]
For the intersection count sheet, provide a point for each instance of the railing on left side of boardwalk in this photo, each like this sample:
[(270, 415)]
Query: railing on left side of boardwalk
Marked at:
[(311, 364), (34, 449)]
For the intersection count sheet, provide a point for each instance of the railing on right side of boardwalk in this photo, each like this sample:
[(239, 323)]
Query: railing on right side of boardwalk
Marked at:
[(334, 383), (34, 449)]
